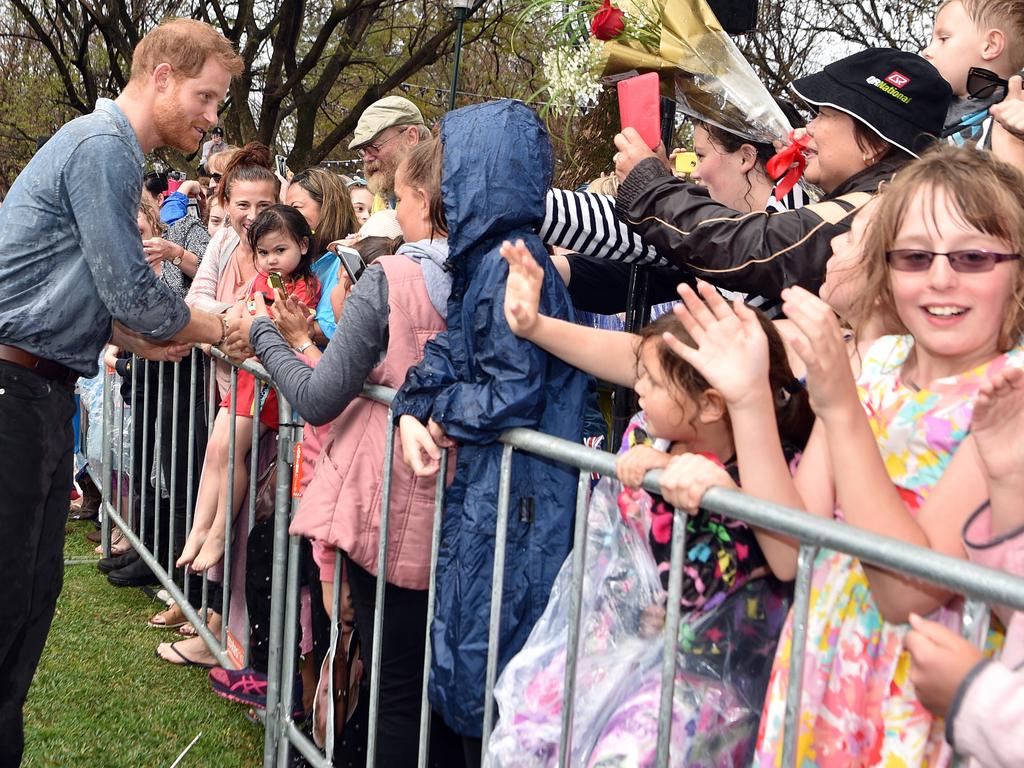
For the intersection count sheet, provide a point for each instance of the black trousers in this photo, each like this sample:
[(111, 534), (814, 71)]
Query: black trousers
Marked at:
[(259, 566), (36, 467)]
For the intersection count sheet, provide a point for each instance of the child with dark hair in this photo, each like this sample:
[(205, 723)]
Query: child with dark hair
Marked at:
[(280, 241)]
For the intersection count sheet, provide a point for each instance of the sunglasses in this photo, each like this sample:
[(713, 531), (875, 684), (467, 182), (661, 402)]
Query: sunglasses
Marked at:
[(982, 83), (216, 177), (967, 261), (356, 181)]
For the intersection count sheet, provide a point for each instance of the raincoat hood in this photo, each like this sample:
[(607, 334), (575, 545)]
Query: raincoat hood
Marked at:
[(497, 169)]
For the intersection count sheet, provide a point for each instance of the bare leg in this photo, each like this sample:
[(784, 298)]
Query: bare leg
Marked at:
[(209, 488), (212, 551)]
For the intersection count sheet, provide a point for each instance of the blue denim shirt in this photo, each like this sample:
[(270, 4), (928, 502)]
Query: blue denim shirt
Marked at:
[(70, 253)]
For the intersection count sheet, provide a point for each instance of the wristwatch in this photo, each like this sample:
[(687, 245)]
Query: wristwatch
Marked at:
[(176, 261), (304, 347)]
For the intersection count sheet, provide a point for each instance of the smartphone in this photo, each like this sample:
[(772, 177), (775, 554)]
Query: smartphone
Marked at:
[(640, 106), (352, 262), (686, 162), (276, 281), (282, 165)]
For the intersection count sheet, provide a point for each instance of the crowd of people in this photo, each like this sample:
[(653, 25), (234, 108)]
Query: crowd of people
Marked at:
[(852, 348)]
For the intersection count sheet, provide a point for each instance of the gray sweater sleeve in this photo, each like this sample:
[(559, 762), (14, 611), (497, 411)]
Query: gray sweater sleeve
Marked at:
[(357, 347)]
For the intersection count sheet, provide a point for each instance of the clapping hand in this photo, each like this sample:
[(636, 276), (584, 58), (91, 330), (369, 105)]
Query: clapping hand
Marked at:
[(998, 423), (816, 337), (292, 319)]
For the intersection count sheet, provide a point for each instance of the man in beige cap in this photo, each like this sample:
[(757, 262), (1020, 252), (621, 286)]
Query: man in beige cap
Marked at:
[(386, 131)]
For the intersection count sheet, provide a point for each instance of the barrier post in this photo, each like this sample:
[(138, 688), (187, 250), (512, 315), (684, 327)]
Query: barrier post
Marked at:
[(282, 507), (378, 610), (801, 605), (106, 462), (673, 614), (435, 545), (497, 589), (579, 566)]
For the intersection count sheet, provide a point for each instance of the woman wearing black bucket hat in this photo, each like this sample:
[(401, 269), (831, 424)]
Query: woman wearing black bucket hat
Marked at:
[(876, 110)]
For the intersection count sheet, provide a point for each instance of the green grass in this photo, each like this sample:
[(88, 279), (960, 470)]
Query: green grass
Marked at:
[(102, 698)]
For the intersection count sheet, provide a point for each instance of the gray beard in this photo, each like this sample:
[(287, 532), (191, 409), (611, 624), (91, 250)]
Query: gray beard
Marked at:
[(382, 184)]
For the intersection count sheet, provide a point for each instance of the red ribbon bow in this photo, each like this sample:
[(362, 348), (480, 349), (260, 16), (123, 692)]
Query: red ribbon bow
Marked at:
[(786, 167)]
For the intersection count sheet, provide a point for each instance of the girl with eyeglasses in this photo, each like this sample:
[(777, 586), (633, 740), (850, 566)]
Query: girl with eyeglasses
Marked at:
[(890, 453)]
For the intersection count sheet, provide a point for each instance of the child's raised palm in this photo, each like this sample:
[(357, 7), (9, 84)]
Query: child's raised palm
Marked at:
[(522, 290), (998, 423), (731, 347)]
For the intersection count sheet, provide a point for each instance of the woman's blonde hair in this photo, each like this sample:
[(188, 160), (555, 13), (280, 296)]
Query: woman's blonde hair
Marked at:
[(152, 218), (987, 194), (421, 169)]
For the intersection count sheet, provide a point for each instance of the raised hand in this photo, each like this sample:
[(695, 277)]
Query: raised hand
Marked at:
[(1009, 113), (731, 349), (688, 477), (815, 335), (632, 149), (998, 424), (522, 290)]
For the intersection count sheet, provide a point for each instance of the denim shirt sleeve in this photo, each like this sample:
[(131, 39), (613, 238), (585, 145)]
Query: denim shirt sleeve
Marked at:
[(103, 187)]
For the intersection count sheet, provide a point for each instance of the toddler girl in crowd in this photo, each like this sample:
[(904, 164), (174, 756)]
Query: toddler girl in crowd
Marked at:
[(728, 590), (889, 453), (280, 240)]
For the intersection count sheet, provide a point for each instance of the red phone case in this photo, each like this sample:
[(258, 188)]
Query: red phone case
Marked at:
[(640, 106)]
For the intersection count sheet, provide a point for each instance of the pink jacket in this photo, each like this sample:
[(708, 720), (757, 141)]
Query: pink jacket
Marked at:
[(341, 505), (986, 721)]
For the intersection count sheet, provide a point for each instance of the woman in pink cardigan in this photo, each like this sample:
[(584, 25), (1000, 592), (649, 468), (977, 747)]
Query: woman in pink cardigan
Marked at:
[(983, 700)]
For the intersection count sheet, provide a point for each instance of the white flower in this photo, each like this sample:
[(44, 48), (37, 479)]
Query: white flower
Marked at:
[(573, 75)]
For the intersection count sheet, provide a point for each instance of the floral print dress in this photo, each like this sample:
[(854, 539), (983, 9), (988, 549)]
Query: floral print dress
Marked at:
[(858, 706)]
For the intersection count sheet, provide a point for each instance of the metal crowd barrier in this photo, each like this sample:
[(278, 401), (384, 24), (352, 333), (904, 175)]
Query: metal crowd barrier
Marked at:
[(282, 733)]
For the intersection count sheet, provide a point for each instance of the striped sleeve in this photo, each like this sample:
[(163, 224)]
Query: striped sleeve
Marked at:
[(585, 223)]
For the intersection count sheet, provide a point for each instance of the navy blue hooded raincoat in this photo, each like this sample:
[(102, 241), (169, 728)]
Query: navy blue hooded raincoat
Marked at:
[(477, 380)]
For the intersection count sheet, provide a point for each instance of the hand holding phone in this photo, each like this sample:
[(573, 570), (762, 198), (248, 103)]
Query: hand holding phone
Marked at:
[(275, 281), (686, 162), (351, 261), (281, 162), (640, 106)]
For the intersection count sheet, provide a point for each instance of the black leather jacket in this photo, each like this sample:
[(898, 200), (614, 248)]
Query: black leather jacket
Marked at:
[(760, 252)]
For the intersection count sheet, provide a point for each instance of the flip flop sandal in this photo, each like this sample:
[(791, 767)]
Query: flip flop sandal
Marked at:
[(185, 660), (159, 621)]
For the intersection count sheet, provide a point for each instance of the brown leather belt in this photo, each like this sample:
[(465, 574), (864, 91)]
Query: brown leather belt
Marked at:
[(45, 368)]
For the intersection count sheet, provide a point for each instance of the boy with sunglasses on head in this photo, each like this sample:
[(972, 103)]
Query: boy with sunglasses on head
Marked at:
[(976, 45)]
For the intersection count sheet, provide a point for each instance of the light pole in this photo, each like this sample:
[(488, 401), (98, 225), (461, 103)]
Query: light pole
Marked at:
[(461, 12)]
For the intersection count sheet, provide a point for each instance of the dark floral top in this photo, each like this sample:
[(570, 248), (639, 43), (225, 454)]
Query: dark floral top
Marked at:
[(721, 554)]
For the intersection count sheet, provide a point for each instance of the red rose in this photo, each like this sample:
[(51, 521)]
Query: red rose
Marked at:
[(607, 23)]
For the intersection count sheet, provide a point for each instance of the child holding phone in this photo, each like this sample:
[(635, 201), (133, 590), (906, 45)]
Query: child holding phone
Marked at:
[(280, 241)]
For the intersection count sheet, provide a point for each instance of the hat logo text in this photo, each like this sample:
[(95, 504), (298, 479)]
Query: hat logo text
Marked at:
[(896, 93), (897, 79)]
